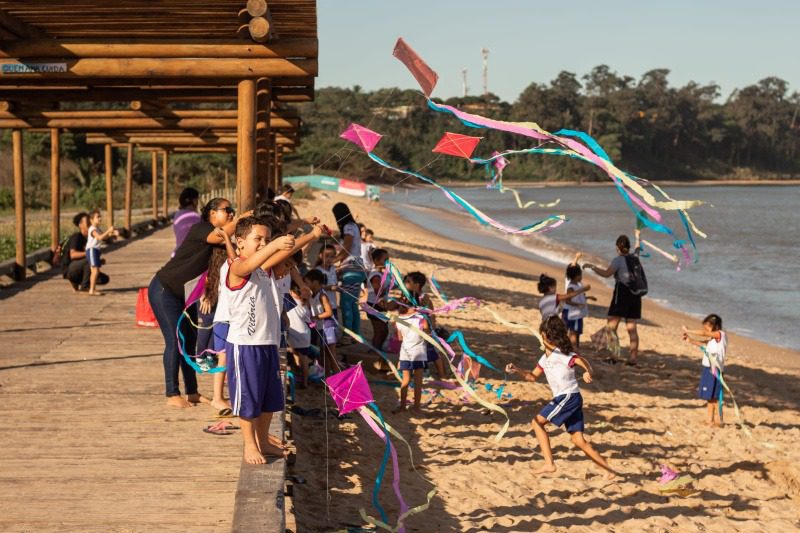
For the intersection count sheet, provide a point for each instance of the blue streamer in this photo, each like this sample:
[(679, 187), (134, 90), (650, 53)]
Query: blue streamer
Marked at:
[(457, 335), (182, 340), (384, 462)]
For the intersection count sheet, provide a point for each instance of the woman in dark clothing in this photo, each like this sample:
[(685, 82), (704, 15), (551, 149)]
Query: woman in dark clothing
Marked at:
[(167, 299), (624, 304)]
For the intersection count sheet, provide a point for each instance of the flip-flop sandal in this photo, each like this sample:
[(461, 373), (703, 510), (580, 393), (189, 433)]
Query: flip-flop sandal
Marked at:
[(226, 412), (226, 426), (212, 431)]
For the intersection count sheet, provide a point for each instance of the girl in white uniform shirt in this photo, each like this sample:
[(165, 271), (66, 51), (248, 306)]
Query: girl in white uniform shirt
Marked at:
[(413, 355), (714, 343), (558, 365)]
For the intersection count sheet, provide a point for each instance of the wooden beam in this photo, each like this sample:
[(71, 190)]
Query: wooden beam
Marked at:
[(246, 178), (186, 68), (21, 29), (19, 203), (165, 183), (263, 109), (257, 8), (258, 28), (141, 82), (154, 190), (115, 123), (129, 188), (118, 48), (55, 189), (109, 163), (163, 113)]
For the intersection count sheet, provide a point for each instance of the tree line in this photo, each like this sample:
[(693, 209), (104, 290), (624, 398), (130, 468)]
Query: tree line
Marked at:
[(647, 126)]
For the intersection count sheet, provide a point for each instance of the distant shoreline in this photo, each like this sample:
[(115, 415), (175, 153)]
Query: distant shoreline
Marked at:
[(547, 184)]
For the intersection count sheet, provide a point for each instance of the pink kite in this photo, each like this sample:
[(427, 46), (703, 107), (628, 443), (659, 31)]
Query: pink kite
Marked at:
[(349, 389), (364, 138), (425, 75), (457, 145)]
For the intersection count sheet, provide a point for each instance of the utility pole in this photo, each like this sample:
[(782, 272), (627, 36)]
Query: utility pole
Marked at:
[(464, 82), (485, 54)]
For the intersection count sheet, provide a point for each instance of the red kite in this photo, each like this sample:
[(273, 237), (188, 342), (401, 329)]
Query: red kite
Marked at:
[(457, 145)]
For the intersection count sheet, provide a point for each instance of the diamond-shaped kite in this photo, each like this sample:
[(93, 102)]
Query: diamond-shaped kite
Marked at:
[(349, 389), (425, 75), (457, 145), (364, 138)]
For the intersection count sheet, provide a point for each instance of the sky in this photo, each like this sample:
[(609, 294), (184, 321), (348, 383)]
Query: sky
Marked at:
[(731, 43)]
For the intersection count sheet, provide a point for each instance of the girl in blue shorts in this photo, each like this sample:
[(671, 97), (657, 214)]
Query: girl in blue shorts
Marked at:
[(566, 408)]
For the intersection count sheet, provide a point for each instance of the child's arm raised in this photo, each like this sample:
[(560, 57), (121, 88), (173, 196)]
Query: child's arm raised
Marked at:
[(244, 267), (283, 255), (527, 375), (229, 228), (584, 364), (226, 240), (576, 258)]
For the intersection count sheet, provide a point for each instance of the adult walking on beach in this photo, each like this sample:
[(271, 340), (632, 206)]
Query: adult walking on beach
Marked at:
[(351, 269), (166, 293), (625, 304)]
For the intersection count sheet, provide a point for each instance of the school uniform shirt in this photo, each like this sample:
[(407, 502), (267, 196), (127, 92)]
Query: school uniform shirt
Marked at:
[(255, 314), (559, 369), (222, 312), (575, 312), (330, 279), (549, 305), (299, 317), (366, 255), (91, 240), (413, 345), (284, 286), (354, 257), (716, 348), (316, 308), (372, 298)]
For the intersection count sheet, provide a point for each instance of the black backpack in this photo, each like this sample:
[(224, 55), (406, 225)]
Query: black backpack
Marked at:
[(637, 280)]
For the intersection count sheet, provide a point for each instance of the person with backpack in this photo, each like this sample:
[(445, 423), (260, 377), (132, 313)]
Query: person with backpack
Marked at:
[(629, 287)]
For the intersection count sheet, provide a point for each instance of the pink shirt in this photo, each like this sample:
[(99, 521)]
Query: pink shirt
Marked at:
[(182, 222)]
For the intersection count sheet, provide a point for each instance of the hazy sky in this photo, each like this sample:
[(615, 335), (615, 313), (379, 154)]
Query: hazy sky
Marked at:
[(732, 43)]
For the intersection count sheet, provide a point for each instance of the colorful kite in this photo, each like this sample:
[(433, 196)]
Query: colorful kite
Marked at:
[(350, 391), (364, 138), (456, 144), (425, 75)]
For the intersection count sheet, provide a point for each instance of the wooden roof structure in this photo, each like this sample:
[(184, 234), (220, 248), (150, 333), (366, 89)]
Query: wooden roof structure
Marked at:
[(193, 76)]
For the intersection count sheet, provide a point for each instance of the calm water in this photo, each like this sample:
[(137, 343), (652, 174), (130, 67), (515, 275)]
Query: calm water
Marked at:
[(747, 271)]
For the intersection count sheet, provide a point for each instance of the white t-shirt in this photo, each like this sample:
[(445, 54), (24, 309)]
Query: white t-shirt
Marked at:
[(413, 345), (223, 313), (316, 308), (330, 279), (282, 197), (299, 332), (574, 312), (284, 285), (716, 349), (559, 369), (255, 313), (351, 228), (366, 255), (549, 305), (91, 240), (372, 298)]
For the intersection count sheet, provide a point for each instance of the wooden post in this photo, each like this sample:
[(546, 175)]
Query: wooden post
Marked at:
[(246, 167), (109, 186), (129, 188), (263, 107), (165, 184), (276, 168), (55, 190), (154, 192), (19, 203)]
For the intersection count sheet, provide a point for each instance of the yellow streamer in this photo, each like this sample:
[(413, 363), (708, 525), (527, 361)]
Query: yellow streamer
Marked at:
[(532, 202)]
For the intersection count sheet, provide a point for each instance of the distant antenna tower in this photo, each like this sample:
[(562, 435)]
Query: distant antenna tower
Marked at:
[(464, 82), (485, 54)]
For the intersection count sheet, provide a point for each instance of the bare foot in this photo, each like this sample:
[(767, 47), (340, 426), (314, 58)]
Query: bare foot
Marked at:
[(96, 293), (545, 470), (195, 399), (718, 423), (219, 405), (253, 456), (270, 450), (178, 401)]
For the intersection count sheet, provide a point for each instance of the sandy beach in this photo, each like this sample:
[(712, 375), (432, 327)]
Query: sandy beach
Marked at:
[(638, 417)]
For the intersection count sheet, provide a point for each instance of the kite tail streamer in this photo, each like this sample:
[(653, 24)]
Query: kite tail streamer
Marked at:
[(458, 336), (193, 297), (718, 374), (437, 290), (363, 341)]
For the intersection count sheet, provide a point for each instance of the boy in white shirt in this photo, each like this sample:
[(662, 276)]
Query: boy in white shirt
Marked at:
[(566, 408), (94, 241), (413, 355)]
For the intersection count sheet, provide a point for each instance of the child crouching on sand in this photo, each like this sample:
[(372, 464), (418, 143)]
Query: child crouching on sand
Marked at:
[(566, 408), (714, 343), (551, 301)]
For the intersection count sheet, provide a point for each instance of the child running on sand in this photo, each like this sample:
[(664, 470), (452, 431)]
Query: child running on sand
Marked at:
[(575, 308), (413, 356), (252, 346), (566, 408), (714, 343), (551, 301), (94, 240), (326, 330)]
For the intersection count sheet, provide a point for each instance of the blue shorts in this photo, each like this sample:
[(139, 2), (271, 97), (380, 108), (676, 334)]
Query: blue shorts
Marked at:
[(572, 325), (412, 365), (220, 333), (254, 379), (93, 256), (565, 410), (431, 352), (710, 387)]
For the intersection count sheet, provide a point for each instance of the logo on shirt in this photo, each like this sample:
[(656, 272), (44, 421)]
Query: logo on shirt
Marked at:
[(251, 317)]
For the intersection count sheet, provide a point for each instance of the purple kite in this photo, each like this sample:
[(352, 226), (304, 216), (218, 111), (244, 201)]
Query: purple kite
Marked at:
[(364, 138)]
